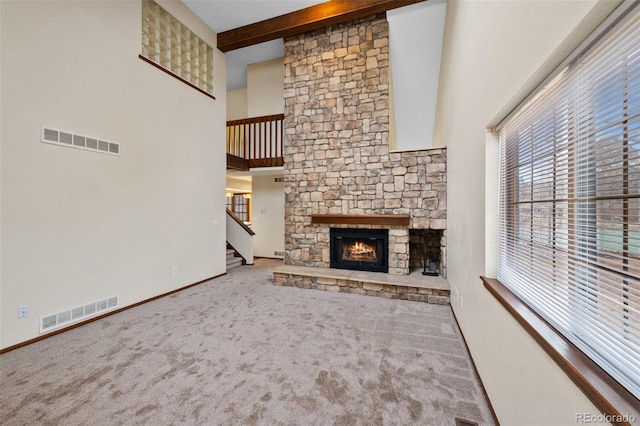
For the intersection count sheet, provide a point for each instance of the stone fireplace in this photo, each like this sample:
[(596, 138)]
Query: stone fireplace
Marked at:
[(337, 160)]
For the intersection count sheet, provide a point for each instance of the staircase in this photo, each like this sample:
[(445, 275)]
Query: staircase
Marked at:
[(233, 261)]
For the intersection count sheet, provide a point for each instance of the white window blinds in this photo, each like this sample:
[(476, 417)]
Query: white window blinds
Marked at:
[(570, 202)]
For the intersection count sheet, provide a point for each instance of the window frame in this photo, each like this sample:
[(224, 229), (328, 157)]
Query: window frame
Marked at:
[(245, 202), (612, 398)]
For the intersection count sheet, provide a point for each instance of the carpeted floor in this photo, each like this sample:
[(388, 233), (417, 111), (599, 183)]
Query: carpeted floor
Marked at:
[(239, 351)]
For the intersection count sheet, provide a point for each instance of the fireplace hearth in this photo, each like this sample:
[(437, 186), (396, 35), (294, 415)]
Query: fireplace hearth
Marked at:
[(359, 249)]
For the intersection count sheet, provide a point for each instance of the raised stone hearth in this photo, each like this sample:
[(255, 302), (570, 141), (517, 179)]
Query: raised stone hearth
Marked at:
[(338, 163), (414, 287)]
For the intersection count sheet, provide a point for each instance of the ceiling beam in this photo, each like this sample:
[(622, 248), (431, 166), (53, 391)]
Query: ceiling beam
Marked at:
[(314, 17)]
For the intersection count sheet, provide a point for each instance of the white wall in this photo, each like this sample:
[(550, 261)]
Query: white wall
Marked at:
[(265, 96), (239, 184), (492, 50), (265, 88), (237, 104), (415, 45), (267, 220), (79, 226)]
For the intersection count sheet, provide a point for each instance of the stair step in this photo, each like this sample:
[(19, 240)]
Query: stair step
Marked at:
[(230, 253), (234, 262)]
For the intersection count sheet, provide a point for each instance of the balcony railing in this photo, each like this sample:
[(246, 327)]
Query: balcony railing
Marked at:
[(255, 142)]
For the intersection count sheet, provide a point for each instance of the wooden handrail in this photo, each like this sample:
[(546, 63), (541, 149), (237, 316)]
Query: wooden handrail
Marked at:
[(240, 222), (258, 140), (273, 117)]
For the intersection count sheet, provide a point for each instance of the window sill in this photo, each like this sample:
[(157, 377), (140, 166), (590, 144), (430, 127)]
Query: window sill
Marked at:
[(618, 404), (149, 61)]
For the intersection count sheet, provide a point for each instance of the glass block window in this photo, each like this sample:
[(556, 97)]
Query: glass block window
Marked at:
[(169, 44)]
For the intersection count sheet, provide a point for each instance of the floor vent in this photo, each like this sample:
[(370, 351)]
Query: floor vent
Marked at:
[(71, 140), (462, 422), (79, 313)]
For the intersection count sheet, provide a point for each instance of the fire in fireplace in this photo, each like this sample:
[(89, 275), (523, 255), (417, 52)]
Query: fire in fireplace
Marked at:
[(359, 249)]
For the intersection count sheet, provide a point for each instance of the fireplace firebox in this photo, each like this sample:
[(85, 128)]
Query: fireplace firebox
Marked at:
[(359, 249)]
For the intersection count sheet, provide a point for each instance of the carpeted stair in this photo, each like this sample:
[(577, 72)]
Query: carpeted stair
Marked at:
[(233, 260)]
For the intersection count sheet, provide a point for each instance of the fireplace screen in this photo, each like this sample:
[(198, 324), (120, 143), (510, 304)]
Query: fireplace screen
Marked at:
[(359, 249)]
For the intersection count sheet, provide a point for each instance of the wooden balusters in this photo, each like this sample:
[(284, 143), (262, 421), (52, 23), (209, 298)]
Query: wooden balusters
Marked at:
[(258, 140)]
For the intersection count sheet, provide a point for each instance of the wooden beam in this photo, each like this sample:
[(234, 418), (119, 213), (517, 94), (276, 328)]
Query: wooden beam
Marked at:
[(314, 17)]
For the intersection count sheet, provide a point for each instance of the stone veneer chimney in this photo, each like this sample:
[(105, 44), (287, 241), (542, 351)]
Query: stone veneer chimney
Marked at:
[(336, 149)]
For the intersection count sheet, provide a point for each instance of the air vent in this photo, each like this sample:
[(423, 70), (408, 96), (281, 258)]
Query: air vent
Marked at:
[(77, 314), (463, 422), (72, 140), (278, 253), (278, 179)]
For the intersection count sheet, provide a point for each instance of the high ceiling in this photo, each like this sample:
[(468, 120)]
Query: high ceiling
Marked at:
[(223, 15)]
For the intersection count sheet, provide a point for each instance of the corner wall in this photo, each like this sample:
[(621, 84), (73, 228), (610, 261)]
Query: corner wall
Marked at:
[(267, 216), (237, 104), (492, 50), (415, 45), (80, 226), (265, 88)]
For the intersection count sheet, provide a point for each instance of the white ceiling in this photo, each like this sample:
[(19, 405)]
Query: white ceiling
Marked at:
[(223, 15)]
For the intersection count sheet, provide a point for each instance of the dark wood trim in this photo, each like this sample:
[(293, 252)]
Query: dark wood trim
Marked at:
[(274, 117), (312, 18), (107, 314), (237, 163), (149, 61), (362, 219), (605, 393), (266, 162), (475, 368), (240, 222), (244, 261)]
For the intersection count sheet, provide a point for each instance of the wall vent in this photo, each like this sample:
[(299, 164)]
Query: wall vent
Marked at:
[(463, 422), (278, 179), (79, 313), (278, 253), (72, 140)]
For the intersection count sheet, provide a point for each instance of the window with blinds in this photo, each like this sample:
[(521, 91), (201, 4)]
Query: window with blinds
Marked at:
[(172, 46), (570, 202)]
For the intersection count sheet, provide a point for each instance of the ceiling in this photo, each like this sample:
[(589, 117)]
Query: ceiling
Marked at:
[(223, 15)]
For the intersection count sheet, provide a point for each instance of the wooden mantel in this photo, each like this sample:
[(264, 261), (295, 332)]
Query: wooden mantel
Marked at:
[(362, 219)]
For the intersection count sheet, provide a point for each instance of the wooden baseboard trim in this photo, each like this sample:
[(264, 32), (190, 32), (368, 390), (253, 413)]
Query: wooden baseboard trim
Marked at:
[(188, 83), (87, 321), (612, 399), (475, 368)]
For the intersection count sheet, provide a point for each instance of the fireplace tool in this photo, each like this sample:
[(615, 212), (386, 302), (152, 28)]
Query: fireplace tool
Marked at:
[(429, 267)]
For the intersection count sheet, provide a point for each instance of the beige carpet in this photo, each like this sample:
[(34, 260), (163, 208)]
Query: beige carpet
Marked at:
[(239, 351)]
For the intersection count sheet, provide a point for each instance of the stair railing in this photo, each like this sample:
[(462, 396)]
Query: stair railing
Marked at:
[(240, 237), (258, 140)]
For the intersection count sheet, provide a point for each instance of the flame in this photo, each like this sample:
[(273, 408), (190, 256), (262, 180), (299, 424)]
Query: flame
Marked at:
[(360, 251)]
